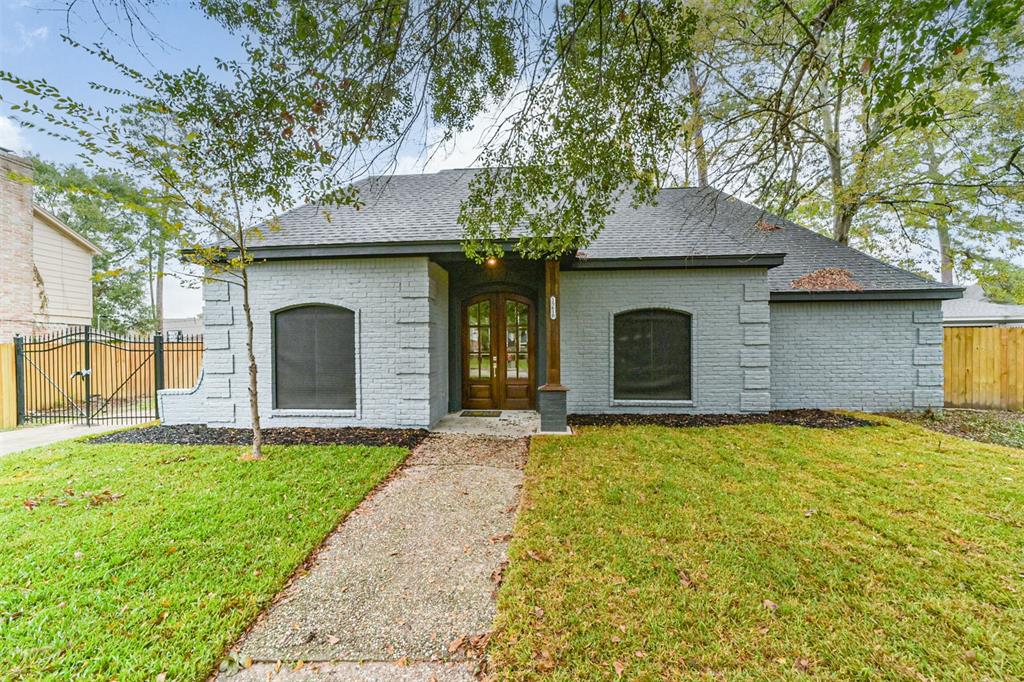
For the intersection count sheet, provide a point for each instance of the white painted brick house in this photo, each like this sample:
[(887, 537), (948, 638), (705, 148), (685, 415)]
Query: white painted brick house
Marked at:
[(701, 303)]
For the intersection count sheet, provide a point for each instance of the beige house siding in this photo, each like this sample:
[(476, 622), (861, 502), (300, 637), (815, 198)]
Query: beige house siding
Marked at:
[(62, 276)]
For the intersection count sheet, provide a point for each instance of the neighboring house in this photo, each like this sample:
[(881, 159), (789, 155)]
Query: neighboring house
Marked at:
[(46, 271), (701, 303), (175, 328), (974, 310)]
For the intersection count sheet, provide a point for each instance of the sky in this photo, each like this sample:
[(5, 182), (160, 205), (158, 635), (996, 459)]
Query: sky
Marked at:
[(31, 47)]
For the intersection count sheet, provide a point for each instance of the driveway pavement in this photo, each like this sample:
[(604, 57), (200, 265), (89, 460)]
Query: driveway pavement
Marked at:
[(34, 436), (404, 589)]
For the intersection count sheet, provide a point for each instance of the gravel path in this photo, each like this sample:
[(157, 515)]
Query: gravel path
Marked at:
[(408, 577)]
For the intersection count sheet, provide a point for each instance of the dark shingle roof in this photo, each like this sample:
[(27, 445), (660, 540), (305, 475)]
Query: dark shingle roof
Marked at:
[(685, 222)]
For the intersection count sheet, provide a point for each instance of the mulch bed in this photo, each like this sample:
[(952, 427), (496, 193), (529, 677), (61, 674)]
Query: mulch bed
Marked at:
[(815, 419), (191, 434)]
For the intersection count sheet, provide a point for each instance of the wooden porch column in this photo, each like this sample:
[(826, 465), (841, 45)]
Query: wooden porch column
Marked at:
[(553, 305), (551, 400)]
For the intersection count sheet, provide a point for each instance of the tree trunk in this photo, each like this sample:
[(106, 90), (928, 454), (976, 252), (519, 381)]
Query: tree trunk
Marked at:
[(940, 217), (945, 252), (842, 221), (842, 213), (254, 407), (699, 153)]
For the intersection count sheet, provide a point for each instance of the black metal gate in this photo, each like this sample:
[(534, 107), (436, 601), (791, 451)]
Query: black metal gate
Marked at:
[(94, 377)]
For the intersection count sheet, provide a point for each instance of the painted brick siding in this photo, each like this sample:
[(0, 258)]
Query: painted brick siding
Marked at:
[(438, 342), (183, 405), (731, 341), (391, 301), (868, 355)]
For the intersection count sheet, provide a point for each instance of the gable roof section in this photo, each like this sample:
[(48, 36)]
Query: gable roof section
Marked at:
[(62, 227), (688, 227)]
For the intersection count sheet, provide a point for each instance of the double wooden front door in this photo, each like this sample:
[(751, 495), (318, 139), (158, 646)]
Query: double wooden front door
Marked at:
[(497, 352)]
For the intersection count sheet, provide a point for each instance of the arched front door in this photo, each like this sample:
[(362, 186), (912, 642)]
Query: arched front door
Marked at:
[(497, 352)]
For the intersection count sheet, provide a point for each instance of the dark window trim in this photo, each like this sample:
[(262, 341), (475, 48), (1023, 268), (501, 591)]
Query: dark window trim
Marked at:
[(357, 365)]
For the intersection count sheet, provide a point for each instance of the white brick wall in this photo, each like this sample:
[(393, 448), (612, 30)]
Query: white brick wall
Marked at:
[(748, 355), (730, 335), (391, 298), (868, 355)]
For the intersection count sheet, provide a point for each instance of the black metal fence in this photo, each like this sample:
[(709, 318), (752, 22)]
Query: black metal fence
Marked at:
[(90, 376)]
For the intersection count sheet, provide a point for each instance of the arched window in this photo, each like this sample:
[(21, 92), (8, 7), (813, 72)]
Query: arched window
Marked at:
[(315, 358), (652, 355)]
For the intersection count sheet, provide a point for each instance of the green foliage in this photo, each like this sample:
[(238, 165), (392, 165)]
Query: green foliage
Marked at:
[(592, 100), (890, 124), (138, 561), (1002, 280), (764, 552), (113, 212)]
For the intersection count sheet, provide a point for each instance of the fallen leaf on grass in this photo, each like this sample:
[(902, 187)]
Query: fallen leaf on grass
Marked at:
[(535, 555), (545, 662), (161, 677), (619, 667), (639, 654), (810, 512), (803, 664), (97, 499), (30, 504), (686, 581), (770, 605)]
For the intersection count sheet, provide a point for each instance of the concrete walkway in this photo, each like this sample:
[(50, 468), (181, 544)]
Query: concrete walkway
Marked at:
[(34, 436), (508, 423), (404, 589)]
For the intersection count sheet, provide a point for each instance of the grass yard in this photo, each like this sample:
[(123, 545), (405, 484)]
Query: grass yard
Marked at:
[(765, 552), (127, 561)]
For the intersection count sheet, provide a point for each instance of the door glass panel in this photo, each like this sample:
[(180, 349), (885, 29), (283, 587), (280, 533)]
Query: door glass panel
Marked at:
[(479, 351), (517, 340)]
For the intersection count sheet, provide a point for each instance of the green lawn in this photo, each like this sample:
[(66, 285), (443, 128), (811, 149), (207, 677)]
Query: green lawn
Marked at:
[(98, 586), (765, 552)]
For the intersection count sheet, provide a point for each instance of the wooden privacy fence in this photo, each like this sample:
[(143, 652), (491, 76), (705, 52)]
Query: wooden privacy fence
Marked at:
[(90, 376), (8, 388), (984, 367)]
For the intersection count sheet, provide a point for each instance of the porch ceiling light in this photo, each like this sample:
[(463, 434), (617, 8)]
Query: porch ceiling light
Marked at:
[(491, 261)]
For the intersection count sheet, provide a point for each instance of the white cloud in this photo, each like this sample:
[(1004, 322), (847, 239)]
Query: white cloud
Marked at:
[(26, 38), (12, 136), (433, 153)]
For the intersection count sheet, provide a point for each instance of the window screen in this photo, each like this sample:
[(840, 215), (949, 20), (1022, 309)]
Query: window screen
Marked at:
[(315, 358), (652, 355)]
